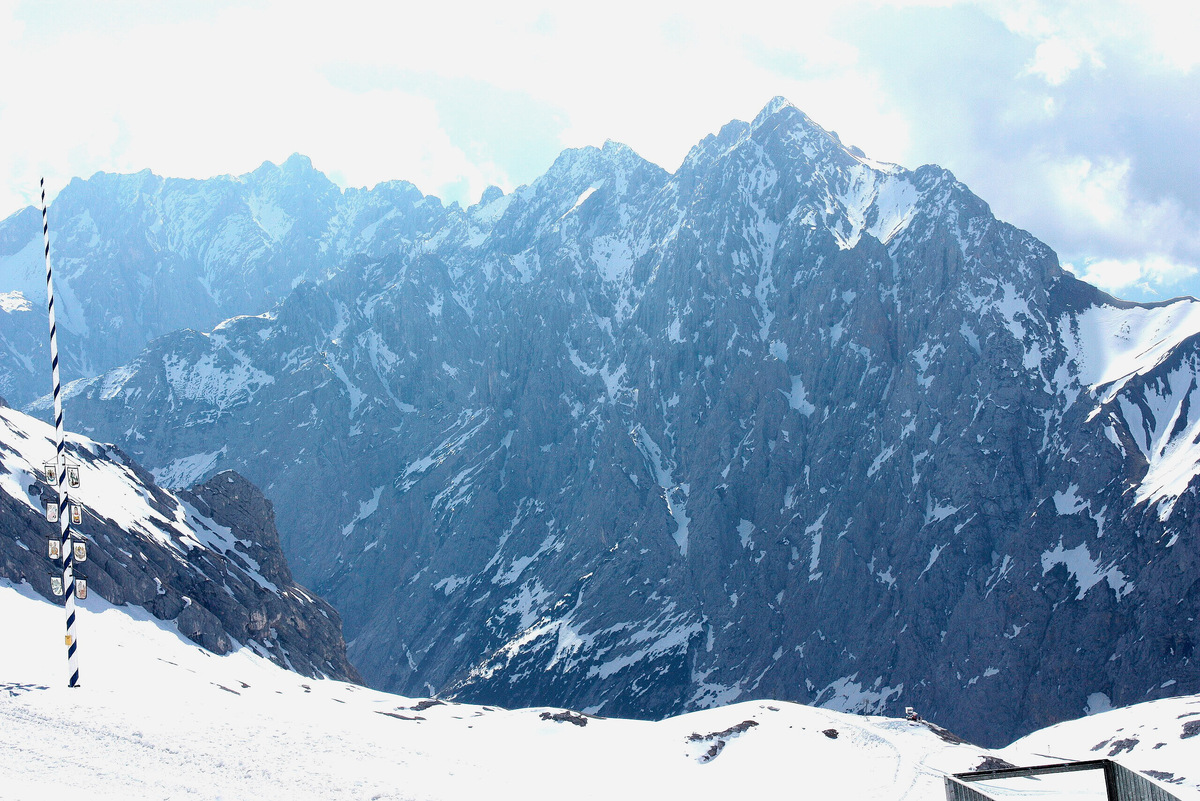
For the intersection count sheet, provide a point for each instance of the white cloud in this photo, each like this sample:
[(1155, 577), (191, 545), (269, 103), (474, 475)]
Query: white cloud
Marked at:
[(220, 92), (1096, 192), (1094, 203), (1149, 275), (194, 91), (1172, 28), (1162, 31), (199, 98), (1055, 59), (1086, 210)]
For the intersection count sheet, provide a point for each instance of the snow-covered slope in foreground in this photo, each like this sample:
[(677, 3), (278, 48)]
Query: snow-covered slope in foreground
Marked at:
[(1159, 738), (158, 717)]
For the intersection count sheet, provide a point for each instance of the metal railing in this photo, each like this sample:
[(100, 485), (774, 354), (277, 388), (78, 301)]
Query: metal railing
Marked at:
[(1120, 783)]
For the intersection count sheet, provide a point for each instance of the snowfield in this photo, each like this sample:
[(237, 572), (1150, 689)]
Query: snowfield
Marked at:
[(158, 717), (1159, 738)]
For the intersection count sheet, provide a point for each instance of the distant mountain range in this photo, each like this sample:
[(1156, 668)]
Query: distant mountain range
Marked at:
[(139, 256), (786, 423)]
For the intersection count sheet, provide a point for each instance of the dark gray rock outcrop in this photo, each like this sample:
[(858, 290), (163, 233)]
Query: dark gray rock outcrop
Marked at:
[(207, 559)]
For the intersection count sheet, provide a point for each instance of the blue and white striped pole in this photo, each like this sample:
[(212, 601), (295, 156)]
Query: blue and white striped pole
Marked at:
[(64, 513)]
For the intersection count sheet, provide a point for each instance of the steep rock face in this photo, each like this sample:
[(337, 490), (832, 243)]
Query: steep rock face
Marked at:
[(138, 256), (207, 559), (787, 423), (236, 503)]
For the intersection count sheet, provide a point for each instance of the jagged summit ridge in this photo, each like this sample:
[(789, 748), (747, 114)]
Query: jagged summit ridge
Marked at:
[(200, 251), (774, 105), (137, 256)]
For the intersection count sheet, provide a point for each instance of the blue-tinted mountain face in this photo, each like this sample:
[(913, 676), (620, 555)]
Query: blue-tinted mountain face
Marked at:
[(787, 423), (139, 256)]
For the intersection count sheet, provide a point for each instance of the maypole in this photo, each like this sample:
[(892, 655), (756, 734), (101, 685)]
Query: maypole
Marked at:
[(64, 510)]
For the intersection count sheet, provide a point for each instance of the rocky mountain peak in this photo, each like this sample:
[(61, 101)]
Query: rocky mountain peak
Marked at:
[(298, 162), (583, 167), (775, 105), (490, 194), (780, 125), (780, 113), (295, 176), (237, 503)]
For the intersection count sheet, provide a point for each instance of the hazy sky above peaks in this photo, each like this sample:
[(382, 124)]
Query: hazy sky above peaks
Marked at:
[(1075, 120)]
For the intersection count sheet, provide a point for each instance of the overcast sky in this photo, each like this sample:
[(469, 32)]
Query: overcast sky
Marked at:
[(1076, 121)]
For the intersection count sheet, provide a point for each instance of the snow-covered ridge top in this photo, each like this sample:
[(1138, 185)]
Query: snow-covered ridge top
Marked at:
[(1108, 348), (109, 488), (1160, 738), (14, 301), (776, 103), (849, 193), (803, 127), (267, 316), (1110, 345), (881, 204)]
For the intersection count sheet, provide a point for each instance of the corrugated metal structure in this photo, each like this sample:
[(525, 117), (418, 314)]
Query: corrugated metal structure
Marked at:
[(1131, 784), (1119, 782)]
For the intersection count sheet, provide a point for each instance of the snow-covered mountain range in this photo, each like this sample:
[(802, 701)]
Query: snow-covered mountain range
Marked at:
[(160, 718), (138, 256), (786, 423)]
